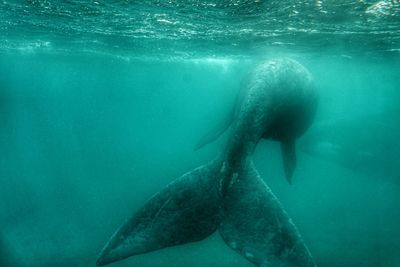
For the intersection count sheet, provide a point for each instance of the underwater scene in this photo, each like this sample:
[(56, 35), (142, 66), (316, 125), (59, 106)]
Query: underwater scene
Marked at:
[(200, 133)]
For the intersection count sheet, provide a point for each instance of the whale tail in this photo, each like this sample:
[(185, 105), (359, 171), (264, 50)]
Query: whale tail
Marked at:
[(248, 216), (255, 224), (186, 210)]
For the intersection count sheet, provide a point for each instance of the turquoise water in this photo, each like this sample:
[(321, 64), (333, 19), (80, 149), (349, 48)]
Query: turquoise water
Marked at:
[(101, 104)]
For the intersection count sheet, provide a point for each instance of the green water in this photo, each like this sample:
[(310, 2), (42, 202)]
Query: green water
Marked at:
[(102, 103)]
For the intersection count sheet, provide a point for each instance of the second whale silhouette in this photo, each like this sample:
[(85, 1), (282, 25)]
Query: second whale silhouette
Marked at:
[(278, 101)]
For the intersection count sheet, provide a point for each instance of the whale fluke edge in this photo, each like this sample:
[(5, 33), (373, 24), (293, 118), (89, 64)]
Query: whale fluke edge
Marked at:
[(249, 218)]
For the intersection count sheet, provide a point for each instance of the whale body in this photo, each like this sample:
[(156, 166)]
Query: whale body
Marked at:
[(278, 101), (367, 144)]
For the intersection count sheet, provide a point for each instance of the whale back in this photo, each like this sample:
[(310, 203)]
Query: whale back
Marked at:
[(293, 98), (291, 93)]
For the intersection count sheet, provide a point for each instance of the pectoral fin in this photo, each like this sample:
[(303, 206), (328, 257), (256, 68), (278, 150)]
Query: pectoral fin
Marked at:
[(288, 149), (257, 227), (213, 135), (185, 211)]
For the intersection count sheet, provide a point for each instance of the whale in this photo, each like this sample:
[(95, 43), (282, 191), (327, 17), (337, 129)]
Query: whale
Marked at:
[(278, 101), (364, 144)]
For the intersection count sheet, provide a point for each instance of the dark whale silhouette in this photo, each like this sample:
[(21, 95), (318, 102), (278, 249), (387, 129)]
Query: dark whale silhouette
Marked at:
[(278, 102), (366, 144)]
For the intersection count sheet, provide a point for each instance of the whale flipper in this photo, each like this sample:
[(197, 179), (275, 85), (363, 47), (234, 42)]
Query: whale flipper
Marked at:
[(256, 226), (288, 149), (184, 211), (213, 135)]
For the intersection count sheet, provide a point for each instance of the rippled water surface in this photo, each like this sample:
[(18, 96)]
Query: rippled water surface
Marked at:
[(194, 27)]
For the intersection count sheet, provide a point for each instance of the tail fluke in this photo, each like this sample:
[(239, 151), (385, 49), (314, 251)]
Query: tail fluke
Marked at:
[(185, 211), (256, 226), (249, 217)]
